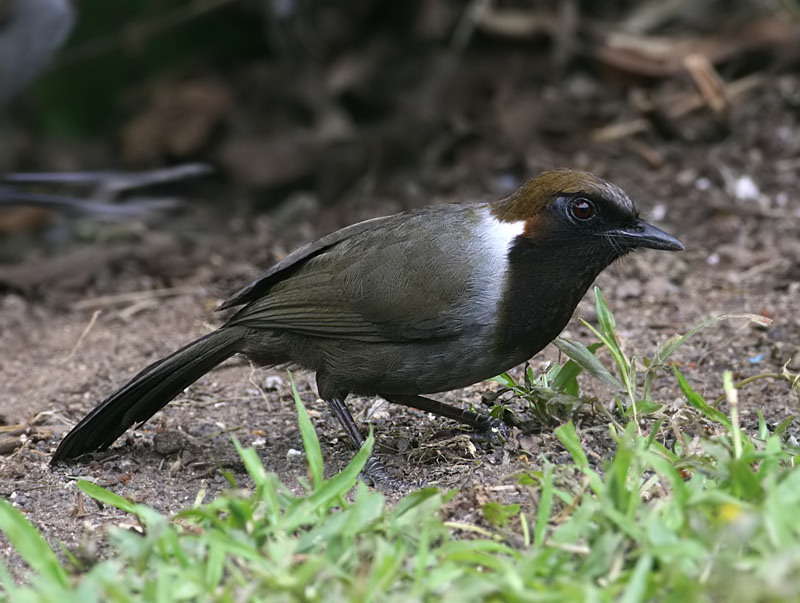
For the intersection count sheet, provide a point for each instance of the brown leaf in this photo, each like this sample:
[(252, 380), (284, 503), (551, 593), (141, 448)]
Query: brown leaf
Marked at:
[(178, 121)]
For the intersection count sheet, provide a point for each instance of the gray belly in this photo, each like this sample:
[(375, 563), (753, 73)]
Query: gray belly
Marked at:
[(411, 368)]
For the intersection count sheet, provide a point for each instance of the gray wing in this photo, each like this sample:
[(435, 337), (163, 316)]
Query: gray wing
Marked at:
[(294, 261), (400, 278)]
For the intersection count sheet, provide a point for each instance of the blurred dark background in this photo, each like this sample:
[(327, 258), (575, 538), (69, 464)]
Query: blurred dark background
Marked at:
[(342, 110)]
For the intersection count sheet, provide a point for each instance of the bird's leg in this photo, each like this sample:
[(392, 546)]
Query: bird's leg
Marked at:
[(346, 420), (374, 470), (495, 429)]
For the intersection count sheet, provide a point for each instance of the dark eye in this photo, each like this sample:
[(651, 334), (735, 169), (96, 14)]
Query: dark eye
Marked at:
[(582, 209)]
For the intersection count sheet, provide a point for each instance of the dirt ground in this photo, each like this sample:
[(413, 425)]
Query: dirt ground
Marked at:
[(76, 325)]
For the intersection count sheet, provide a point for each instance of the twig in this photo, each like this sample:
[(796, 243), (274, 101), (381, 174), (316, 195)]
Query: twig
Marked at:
[(251, 379), (682, 107), (83, 335), (709, 83), (134, 296), (792, 379)]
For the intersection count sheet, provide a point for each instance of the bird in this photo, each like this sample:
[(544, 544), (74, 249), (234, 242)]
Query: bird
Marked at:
[(408, 305)]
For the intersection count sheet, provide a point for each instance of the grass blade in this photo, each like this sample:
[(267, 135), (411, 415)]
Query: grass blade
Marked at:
[(545, 507), (310, 440), (31, 545), (604, 315), (102, 495), (584, 358), (637, 586), (340, 483), (696, 400)]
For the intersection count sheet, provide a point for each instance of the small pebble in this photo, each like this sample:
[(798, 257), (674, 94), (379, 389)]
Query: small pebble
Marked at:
[(168, 441), (294, 455), (794, 363), (273, 383), (744, 189)]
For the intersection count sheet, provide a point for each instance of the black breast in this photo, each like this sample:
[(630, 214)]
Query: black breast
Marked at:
[(545, 284)]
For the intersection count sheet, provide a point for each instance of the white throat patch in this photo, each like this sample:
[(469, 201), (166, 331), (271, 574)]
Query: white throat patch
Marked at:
[(501, 234)]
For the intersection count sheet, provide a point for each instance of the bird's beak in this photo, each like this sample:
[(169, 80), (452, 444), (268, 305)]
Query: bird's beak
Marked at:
[(644, 234)]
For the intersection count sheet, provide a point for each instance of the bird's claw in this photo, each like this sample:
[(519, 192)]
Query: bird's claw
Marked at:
[(376, 474), (494, 431)]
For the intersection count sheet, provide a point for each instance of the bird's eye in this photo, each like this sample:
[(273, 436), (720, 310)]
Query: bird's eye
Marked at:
[(582, 209)]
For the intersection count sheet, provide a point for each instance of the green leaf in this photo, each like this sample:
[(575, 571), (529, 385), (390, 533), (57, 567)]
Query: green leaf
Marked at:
[(568, 436), (499, 514), (604, 315), (696, 401), (340, 483), (417, 498), (784, 425), (252, 464), (31, 545), (505, 380), (106, 496), (585, 359), (310, 440), (637, 585), (545, 507), (565, 379), (645, 407), (744, 481)]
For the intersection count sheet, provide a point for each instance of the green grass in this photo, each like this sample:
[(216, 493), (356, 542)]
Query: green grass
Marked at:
[(711, 518)]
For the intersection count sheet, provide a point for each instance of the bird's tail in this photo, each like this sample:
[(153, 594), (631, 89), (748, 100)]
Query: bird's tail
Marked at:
[(148, 392)]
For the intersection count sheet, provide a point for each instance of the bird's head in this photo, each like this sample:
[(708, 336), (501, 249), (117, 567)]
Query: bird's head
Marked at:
[(569, 209), (568, 226)]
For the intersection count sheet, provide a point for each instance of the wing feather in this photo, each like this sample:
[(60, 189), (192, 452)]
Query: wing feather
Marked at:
[(401, 278)]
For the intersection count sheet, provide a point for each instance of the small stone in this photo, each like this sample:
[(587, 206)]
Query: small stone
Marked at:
[(273, 383), (402, 445), (794, 363), (168, 441), (745, 189), (531, 443), (294, 456)]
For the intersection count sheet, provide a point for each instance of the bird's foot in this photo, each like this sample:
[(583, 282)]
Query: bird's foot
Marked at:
[(492, 430), (376, 474)]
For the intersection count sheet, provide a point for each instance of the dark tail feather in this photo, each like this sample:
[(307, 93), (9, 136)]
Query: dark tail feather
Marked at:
[(148, 392)]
